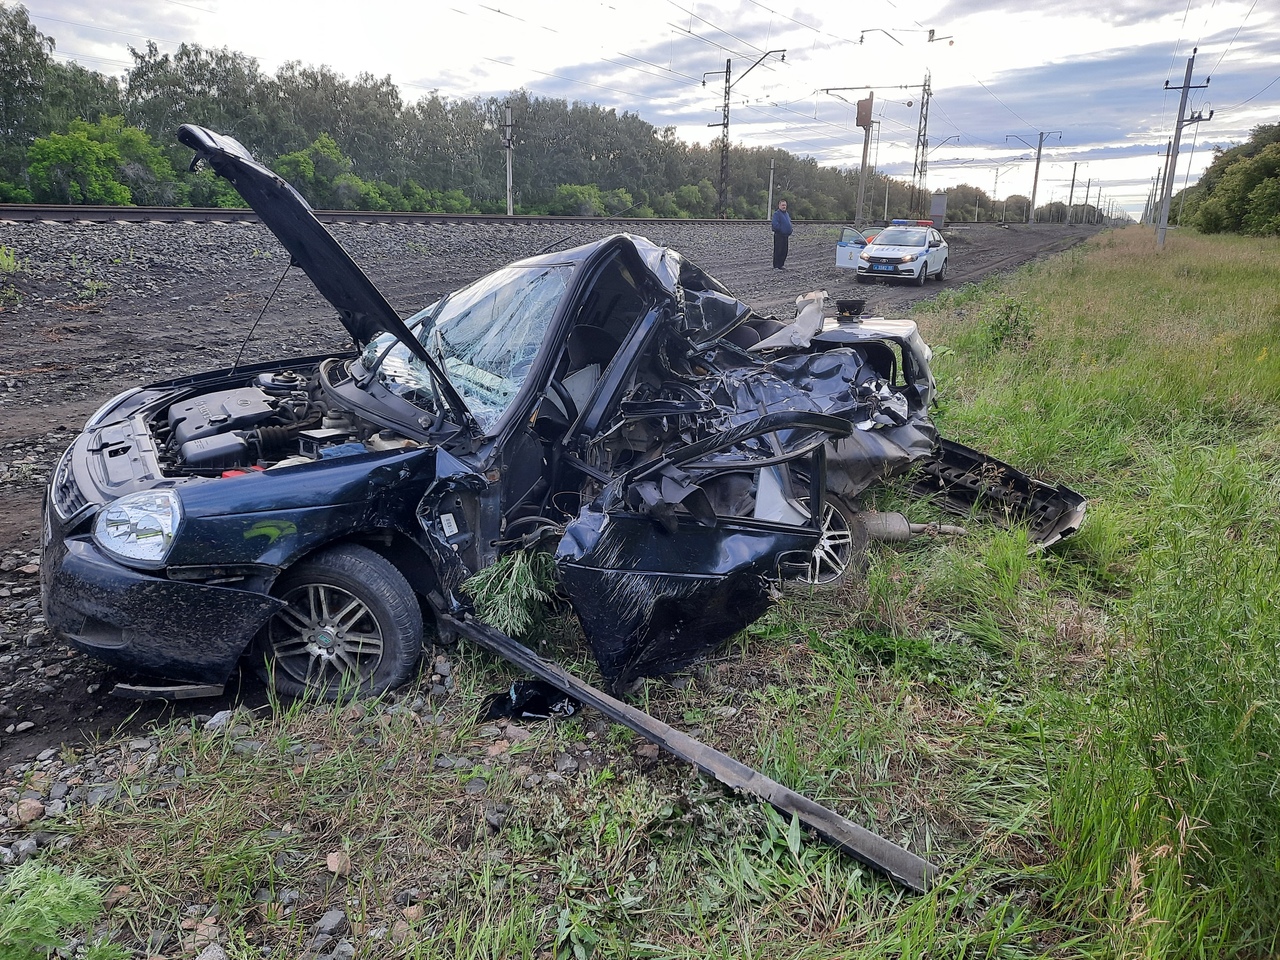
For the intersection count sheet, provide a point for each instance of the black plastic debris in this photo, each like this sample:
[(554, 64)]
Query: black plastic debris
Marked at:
[(529, 700)]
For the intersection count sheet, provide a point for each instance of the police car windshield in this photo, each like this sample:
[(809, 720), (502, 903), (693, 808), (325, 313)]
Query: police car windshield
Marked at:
[(903, 237)]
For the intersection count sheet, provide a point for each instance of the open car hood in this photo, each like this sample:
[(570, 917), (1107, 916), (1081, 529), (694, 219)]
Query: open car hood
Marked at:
[(363, 310)]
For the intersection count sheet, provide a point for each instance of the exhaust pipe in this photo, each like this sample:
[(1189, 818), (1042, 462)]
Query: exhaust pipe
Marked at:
[(896, 528)]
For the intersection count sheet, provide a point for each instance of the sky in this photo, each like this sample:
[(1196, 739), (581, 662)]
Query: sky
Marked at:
[(1084, 81)]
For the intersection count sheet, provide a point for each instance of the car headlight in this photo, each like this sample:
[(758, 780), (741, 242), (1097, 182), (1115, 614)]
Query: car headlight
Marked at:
[(139, 527), (911, 258), (863, 256)]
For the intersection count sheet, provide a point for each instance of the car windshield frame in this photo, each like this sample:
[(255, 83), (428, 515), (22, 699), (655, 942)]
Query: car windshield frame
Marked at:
[(485, 337), (912, 237)]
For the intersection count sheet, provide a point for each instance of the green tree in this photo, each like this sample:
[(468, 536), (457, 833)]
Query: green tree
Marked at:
[(71, 168), (323, 174), (143, 167), (24, 63), (73, 93), (216, 88), (577, 200), (1230, 203), (967, 203)]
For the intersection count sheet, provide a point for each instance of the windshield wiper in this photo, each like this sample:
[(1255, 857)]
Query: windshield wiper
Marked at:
[(364, 382), (453, 400)]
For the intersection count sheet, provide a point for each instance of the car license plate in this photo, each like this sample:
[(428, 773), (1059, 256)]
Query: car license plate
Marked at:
[(886, 267)]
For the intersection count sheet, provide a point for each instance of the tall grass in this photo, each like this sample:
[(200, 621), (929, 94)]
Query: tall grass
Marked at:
[(1153, 379)]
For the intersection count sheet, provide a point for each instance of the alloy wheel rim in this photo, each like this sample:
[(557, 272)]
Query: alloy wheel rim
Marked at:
[(325, 636), (835, 546)]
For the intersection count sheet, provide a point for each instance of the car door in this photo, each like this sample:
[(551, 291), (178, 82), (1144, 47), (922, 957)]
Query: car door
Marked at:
[(937, 252), (851, 243)]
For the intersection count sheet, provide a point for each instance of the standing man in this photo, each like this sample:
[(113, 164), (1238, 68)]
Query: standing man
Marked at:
[(781, 224)]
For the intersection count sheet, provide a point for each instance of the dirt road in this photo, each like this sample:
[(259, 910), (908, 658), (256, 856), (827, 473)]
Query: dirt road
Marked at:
[(95, 309)]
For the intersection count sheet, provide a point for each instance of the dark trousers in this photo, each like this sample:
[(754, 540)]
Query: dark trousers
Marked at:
[(781, 242)]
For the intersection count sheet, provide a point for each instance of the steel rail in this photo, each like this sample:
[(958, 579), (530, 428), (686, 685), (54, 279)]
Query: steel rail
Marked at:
[(67, 213), (875, 851)]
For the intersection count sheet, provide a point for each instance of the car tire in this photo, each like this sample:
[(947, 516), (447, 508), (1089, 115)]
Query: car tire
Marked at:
[(920, 277), (351, 627), (864, 279), (941, 275), (842, 549)]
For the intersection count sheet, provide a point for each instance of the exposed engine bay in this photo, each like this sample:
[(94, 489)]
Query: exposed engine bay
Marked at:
[(282, 418)]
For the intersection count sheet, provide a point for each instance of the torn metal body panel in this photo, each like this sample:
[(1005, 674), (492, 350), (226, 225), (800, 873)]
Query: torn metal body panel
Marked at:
[(898, 863), (613, 402), (652, 600)]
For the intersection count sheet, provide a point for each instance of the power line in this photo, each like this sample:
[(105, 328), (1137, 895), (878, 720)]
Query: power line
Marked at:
[(1233, 38), (999, 101), (709, 42), (77, 57), (713, 26), (800, 23), (91, 26), (585, 83), (512, 16), (1255, 96)]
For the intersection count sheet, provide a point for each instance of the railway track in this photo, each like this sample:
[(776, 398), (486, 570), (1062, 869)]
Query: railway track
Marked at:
[(62, 213)]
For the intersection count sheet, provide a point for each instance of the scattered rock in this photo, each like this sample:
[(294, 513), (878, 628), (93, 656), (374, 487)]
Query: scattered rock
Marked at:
[(339, 863), (219, 720), (27, 810), (334, 921), (495, 814)]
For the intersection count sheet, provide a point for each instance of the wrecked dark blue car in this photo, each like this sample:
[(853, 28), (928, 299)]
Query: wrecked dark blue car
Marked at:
[(612, 403)]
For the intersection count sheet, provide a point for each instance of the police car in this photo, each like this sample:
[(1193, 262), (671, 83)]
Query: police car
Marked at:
[(911, 250)]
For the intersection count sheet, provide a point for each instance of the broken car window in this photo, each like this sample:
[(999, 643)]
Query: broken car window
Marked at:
[(485, 337)]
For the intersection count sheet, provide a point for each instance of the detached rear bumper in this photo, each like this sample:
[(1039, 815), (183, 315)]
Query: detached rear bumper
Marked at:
[(966, 481)]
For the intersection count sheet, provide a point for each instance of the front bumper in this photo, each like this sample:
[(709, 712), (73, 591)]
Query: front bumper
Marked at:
[(892, 271), (143, 622)]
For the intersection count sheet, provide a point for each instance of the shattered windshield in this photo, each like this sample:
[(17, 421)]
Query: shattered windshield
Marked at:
[(485, 336)]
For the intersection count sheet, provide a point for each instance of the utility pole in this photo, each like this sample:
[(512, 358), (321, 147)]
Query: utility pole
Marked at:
[(920, 168), (1085, 211), (1035, 180), (508, 141), (1071, 196), (1166, 194), (768, 213), (729, 84), (1161, 175), (864, 121)]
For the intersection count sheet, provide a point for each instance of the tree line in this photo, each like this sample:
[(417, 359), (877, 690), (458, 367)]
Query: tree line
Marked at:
[(1240, 190), (72, 135)]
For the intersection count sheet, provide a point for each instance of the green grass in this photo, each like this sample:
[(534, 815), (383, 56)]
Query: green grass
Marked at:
[(1156, 385), (1084, 740), (43, 910)]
